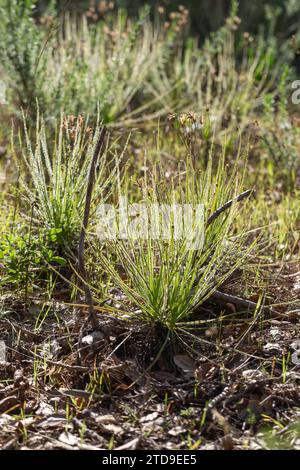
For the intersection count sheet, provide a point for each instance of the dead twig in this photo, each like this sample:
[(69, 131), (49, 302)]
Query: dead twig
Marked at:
[(233, 299), (64, 365), (248, 305)]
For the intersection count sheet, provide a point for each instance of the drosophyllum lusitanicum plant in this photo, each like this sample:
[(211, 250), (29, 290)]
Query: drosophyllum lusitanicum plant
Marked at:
[(166, 279), (53, 176)]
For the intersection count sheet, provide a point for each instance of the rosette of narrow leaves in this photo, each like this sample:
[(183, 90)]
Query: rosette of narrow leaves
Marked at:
[(166, 279), (54, 177)]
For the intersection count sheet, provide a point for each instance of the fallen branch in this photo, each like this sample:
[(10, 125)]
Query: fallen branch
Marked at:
[(250, 306), (232, 299)]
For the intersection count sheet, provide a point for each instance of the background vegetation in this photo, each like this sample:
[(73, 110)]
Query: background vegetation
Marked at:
[(145, 342)]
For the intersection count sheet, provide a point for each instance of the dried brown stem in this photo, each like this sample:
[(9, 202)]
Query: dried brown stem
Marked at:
[(81, 262)]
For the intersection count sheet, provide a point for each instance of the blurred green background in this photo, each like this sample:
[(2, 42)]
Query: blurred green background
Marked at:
[(208, 15)]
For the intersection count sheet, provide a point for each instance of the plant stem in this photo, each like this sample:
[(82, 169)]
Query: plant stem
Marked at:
[(81, 262)]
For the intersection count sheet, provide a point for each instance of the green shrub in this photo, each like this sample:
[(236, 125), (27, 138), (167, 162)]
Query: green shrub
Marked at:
[(26, 258), (21, 42)]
